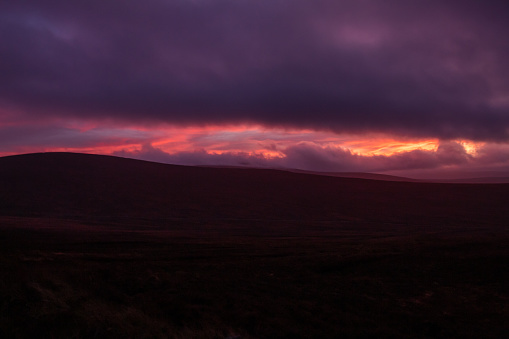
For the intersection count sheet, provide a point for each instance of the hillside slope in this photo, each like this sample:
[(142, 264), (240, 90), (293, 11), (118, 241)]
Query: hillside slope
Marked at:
[(68, 184)]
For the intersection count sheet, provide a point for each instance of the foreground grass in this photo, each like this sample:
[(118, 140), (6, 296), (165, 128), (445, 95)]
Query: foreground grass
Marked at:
[(82, 285)]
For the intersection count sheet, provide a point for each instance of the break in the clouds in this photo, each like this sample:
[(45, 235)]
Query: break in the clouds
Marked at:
[(424, 69)]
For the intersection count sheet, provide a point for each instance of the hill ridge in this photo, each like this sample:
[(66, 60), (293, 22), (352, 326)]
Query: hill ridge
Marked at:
[(63, 184)]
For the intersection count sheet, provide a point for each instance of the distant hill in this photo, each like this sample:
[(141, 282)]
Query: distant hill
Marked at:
[(359, 175), (83, 185), (500, 179), (477, 180)]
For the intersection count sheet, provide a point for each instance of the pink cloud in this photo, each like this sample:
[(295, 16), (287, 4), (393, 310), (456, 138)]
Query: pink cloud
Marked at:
[(254, 146), (449, 156)]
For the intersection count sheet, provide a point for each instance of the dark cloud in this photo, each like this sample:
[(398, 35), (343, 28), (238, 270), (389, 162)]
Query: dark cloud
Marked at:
[(36, 138), (419, 68)]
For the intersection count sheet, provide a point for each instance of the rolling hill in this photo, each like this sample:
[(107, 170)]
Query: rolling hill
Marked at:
[(82, 185)]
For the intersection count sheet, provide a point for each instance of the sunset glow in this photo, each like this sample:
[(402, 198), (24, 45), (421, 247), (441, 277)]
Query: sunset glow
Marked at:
[(471, 147), (252, 145), (269, 142), (332, 87)]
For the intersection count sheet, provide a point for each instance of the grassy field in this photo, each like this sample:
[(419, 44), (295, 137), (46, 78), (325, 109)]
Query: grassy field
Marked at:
[(67, 279)]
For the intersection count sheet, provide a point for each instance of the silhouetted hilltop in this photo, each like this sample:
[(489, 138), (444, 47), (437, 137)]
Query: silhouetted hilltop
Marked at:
[(359, 175), (75, 185)]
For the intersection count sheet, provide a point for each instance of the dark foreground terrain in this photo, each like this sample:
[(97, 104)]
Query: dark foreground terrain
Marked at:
[(94, 247)]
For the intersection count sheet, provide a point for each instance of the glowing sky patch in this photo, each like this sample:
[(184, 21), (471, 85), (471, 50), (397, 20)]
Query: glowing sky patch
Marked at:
[(249, 139), (471, 147), (271, 142)]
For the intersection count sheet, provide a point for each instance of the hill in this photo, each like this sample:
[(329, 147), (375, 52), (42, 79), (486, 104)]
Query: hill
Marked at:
[(82, 185), (360, 175)]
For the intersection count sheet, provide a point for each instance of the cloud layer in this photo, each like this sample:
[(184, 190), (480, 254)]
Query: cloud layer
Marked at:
[(434, 69), (449, 160)]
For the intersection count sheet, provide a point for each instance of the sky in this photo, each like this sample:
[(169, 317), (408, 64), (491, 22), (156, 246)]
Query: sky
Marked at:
[(415, 88)]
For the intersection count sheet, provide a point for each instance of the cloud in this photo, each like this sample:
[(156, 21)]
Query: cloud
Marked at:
[(423, 69), (327, 159), (310, 156), (449, 156), (40, 137), (197, 157)]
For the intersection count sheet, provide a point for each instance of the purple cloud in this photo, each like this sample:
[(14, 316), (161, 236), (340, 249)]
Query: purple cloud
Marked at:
[(424, 69)]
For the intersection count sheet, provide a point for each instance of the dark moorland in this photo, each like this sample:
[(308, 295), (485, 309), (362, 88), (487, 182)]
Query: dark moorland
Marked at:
[(96, 246)]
